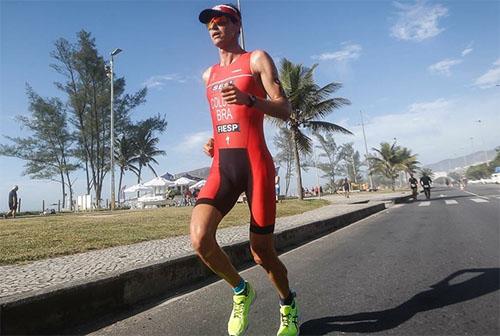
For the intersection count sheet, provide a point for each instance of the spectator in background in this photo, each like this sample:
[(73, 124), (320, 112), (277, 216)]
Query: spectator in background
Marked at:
[(12, 202), (347, 186)]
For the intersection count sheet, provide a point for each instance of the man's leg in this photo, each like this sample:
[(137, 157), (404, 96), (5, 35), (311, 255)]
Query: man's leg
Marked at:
[(264, 253), (204, 221)]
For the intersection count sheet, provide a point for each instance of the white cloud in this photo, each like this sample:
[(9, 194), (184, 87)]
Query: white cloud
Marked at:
[(418, 22), (466, 51), (159, 81), (435, 130), (444, 67), (348, 52), (193, 141), (491, 78)]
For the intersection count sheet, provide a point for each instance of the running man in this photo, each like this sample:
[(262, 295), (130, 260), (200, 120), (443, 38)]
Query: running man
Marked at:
[(241, 88)]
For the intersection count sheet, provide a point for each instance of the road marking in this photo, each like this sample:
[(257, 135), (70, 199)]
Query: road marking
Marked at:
[(449, 202), (479, 200), (468, 192), (424, 204)]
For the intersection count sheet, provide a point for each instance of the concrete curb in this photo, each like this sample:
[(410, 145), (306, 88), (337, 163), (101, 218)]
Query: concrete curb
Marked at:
[(67, 306)]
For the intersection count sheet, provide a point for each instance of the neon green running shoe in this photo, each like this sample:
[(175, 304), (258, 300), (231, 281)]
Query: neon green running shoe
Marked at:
[(238, 322), (289, 325)]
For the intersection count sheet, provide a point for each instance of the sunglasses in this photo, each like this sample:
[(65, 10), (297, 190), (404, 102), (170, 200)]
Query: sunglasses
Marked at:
[(220, 21)]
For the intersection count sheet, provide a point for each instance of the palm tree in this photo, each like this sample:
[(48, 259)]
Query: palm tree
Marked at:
[(386, 161), (125, 152), (391, 159), (426, 172), (285, 155), (146, 149), (309, 102)]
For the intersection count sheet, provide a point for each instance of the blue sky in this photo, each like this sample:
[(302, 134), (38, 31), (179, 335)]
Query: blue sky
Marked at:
[(422, 72)]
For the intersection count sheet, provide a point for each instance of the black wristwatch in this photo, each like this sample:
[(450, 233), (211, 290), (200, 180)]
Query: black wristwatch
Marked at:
[(251, 100)]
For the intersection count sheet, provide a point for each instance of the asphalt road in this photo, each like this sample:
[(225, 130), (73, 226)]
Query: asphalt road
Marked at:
[(423, 268)]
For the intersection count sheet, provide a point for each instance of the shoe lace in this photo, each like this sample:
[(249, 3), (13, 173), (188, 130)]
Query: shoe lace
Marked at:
[(238, 309), (286, 319)]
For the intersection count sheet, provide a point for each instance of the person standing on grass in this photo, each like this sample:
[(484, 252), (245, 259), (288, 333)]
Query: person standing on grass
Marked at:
[(12, 203), (241, 88), (347, 187)]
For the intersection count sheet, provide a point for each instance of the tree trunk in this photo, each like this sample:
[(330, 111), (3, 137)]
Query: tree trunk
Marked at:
[(120, 185), (287, 177), (63, 189), (139, 178), (70, 186), (297, 166), (87, 173)]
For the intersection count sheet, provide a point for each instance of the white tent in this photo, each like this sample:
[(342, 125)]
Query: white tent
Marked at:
[(198, 184), (136, 188), (159, 182), (184, 181)]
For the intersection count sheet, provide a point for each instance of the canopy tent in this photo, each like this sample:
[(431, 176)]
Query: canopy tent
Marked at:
[(198, 185), (159, 182), (183, 181), (168, 176)]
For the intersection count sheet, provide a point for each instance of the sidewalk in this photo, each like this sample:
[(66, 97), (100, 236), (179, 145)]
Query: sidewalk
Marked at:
[(46, 292)]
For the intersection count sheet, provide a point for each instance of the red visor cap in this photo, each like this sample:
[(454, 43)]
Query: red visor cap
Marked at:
[(219, 10)]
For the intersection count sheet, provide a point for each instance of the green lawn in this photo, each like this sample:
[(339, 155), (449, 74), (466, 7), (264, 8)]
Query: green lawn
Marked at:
[(35, 238)]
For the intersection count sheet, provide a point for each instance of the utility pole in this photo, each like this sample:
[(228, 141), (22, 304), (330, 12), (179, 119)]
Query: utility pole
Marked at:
[(484, 144), (112, 131), (366, 149), (242, 37)]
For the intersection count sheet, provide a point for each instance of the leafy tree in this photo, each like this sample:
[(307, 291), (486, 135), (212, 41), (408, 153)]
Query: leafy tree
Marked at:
[(49, 148), (332, 152), (87, 86), (309, 104), (478, 172), (352, 162)]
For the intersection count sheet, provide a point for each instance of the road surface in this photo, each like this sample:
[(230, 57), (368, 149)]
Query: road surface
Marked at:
[(423, 268)]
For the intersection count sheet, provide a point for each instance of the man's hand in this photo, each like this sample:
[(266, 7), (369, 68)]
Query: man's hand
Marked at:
[(232, 95), (208, 148)]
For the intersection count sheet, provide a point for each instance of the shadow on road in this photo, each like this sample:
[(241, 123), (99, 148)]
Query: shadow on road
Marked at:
[(442, 294)]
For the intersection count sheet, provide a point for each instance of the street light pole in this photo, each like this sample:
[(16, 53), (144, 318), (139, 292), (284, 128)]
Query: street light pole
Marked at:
[(242, 36), (484, 144), (112, 131), (366, 149)]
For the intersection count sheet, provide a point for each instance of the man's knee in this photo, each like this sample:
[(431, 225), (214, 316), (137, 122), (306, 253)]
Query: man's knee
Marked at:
[(202, 244), (263, 253)]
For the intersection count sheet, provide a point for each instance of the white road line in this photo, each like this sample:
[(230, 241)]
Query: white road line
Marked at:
[(449, 202), (424, 204), (468, 192), (479, 200)]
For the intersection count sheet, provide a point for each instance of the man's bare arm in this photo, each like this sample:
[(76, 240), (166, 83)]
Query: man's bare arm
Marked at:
[(277, 105)]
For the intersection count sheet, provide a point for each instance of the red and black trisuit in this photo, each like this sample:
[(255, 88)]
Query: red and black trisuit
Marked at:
[(241, 162)]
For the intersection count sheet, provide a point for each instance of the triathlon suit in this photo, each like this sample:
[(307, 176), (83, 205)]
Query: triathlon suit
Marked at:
[(241, 162)]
